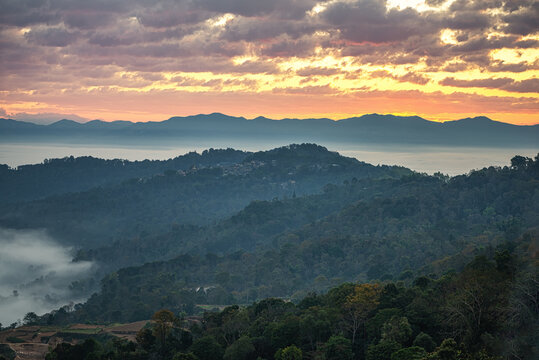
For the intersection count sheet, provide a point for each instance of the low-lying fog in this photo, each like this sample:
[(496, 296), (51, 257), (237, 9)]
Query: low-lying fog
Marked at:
[(35, 274)]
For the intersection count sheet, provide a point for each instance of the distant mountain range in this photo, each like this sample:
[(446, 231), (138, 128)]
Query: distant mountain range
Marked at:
[(366, 129)]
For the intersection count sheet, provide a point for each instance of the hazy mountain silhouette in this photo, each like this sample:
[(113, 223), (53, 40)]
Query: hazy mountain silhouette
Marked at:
[(366, 129)]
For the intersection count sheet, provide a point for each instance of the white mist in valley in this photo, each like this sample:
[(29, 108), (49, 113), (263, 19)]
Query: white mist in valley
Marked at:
[(36, 274)]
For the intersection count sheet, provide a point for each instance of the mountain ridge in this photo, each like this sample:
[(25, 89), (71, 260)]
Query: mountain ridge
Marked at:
[(366, 129), (218, 115)]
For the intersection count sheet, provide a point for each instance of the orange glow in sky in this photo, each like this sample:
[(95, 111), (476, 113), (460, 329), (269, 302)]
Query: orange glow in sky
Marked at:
[(127, 60)]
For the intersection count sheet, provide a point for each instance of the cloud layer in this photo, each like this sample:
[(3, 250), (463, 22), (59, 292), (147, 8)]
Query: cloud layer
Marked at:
[(107, 50)]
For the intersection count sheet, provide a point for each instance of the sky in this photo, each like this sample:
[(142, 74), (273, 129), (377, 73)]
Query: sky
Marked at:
[(148, 60)]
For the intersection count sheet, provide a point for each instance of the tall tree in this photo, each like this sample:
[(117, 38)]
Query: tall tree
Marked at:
[(359, 305)]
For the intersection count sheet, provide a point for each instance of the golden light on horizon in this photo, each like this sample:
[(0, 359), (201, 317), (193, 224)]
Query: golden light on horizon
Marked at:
[(325, 58)]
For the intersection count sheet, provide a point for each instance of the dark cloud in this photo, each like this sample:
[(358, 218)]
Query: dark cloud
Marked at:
[(104, 39), (240, 7), (479, 43), (524, 20), (166, 18), (468, 20), (456, 67), (51, 36), (26, 12), (435, 2), (369, 21), (286, 47), (400, 59), (483, 83), (515, 68), (87, 19), (408, 77), (413, 78), (291, 9), (524, 86), (251, 29), (475, 5), (74, 42), (127, 36), (109, 6), (255, 67)]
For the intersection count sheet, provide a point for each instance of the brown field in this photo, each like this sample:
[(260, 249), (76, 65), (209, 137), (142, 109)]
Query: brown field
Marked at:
[(36, 340)]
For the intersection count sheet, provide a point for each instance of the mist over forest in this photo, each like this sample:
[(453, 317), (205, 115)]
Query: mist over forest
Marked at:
[(36, 273)]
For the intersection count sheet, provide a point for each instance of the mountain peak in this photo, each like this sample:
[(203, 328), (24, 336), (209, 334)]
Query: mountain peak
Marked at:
[(482, 121), (64, 123), (261, 118), (202, 117), (476, 119)]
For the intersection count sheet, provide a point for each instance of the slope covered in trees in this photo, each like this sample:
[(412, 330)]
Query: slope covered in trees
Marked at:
[(487, 311), (197, 196), (406, 265), (59, 176), (423, 225)]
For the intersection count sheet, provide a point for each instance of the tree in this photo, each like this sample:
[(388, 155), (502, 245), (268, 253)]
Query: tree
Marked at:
[(185, 356), (359, 305), (425, 341), (397, 329), (447, 350), (207, 348), (410, 353), (30, 318), (291, 352), (477, 304), (235, 322), (241, 349), (382, 350), (338, 348), (164, 320), (316, 325), (7, 353), (145, 339), (519, 162)]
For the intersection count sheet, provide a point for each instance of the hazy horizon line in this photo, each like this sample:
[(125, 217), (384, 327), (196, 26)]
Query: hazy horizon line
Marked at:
[(81, 120)]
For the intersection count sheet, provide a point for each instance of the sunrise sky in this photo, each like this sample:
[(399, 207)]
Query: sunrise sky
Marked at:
[(144, 60)]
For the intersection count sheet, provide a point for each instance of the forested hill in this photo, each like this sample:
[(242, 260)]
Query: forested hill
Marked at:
[(488, 311), (222, 183), (406, 265), (404, 228), (58, 176)]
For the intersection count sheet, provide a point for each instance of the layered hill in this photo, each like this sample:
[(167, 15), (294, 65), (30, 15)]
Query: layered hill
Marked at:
[(217, 185), (367, 129), (399, 229)]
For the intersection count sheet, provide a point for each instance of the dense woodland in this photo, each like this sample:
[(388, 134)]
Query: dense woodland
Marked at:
[(327, 257), (70, 174), (487, 311), (400, 229), (209, 190)]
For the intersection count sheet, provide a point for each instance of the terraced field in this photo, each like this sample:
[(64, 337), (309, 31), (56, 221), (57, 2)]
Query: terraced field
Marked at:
[(33, 342)]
